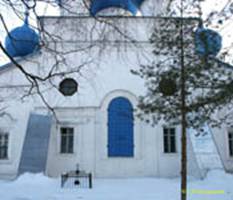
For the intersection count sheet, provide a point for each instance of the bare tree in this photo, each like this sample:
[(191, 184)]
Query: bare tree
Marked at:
[(53, 40)]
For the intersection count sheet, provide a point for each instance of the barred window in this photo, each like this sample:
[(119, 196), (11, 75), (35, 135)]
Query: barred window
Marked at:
[(230, 137), (4, 137), (67, 140), (169, 140)]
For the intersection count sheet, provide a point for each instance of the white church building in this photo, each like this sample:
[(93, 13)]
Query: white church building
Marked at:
[(91, 121)]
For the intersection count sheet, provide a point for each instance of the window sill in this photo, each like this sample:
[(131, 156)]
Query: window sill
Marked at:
[(66, 155), (5, 161), (135, 158), (230, 158), (120, 157), (170, 154)]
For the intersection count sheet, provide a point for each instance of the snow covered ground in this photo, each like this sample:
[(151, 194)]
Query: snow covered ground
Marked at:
[(217, 186)]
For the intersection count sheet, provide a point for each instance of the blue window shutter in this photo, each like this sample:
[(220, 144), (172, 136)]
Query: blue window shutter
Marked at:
[(120, 128)]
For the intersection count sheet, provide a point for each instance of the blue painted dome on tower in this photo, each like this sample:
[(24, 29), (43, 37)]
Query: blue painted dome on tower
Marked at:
[(22, 40), (129, 5), (207, 42)]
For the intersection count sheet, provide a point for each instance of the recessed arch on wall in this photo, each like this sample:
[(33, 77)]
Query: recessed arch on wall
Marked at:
[(135, 139), (118, 93)]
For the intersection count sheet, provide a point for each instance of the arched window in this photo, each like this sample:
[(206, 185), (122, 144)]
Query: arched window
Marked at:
[(120, 128)]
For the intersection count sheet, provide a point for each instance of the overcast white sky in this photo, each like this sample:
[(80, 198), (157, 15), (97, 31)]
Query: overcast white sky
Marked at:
[(43, 9)]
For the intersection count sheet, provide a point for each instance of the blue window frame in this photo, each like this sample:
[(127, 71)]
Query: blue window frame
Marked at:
[(120, 128)]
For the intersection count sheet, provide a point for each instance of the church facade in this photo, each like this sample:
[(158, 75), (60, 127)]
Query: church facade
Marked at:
[(91, 122)]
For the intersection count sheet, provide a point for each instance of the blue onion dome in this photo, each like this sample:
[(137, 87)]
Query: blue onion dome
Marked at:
[(22, 40), (133, 6), (207, 42)]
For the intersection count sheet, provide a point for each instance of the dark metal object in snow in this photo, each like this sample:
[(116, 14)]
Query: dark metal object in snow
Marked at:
[(81, 179)]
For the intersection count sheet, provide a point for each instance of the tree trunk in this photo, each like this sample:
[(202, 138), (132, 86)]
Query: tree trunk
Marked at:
[(183, 115), (183, 160)]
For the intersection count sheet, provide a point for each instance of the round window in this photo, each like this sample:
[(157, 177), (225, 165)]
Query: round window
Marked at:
[(167, 86), (68, 87)]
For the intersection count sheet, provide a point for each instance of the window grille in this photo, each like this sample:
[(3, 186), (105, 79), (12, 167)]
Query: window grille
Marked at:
[(67, 140), (230, 136), (169, 139), (4, 137)]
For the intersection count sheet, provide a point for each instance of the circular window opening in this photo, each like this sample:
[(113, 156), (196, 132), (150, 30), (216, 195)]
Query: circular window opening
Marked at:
[(167, 86), (68, 87)]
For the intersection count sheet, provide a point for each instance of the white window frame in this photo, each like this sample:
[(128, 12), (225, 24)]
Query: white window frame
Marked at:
[(4, 133), (60, 141), (230, 140), (169, 152)]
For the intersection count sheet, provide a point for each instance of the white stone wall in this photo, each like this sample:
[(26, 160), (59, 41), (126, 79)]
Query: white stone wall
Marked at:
[(90, 145), (15, 120), (105, 77), (220, 136)]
